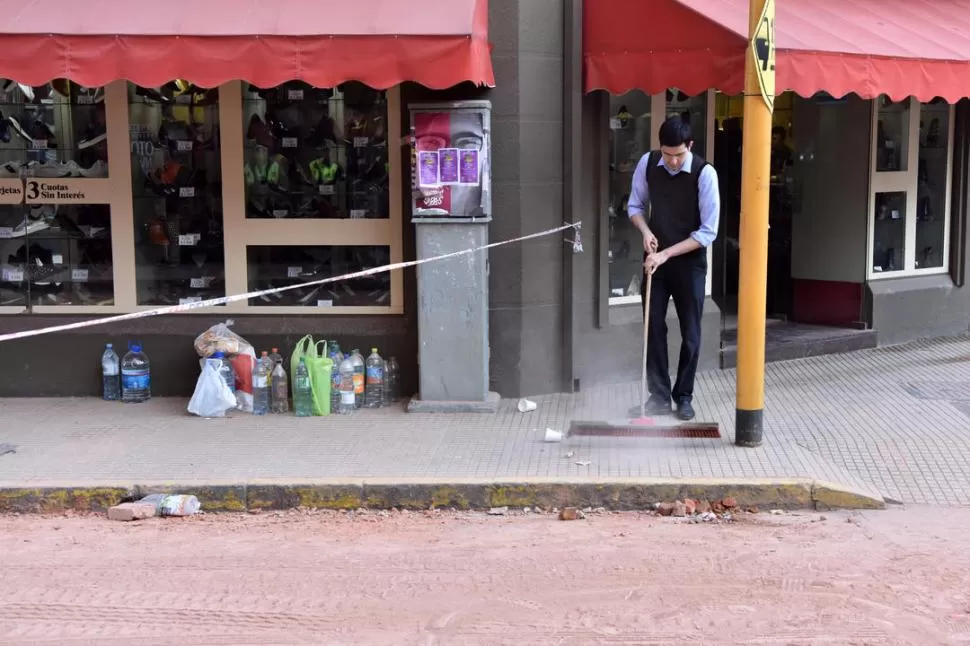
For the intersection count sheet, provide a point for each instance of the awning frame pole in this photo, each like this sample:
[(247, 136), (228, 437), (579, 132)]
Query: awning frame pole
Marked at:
[(759, 89)]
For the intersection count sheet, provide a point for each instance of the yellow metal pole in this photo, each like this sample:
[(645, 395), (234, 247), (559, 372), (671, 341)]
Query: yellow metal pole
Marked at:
[(759, 94)]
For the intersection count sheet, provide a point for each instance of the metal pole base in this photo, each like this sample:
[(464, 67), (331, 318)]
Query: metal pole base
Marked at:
[(749, 427)]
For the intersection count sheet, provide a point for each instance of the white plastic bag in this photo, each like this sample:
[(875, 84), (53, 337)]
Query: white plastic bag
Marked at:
[(242, 356), (212, 397)]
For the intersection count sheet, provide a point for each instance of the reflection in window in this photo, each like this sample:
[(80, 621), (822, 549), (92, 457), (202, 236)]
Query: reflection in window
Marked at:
[(279, 266), (892, 135), (934, 137), (315, 153), (889, 240), (175, 156), (56, 254), (55, 130), (630, 124)]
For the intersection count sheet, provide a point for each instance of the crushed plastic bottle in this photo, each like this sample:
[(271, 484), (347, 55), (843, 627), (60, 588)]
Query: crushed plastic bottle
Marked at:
[(374, 380), (173, 504)]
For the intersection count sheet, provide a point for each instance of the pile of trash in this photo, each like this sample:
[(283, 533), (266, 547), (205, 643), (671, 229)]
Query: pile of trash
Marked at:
[(156, 504)]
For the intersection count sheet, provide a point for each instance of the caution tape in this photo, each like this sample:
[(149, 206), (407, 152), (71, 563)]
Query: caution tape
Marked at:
[(186, 307)]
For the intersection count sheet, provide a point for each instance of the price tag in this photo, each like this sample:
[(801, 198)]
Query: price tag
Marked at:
[(293, 272), (189, 239), (295, 95), (361, 142), (85, 99), (198, 283), (79, 275), (183, 145), (190, 299), (894, 214), (290, 142), (39, 144), (187, 191), (57, 259), (13, 275), (615, 124), (280, 213), (327, 303), (358, 214), (6, 232), (327, 189)]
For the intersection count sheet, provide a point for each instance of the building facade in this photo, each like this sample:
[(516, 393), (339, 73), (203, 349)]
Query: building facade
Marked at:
[(173, 167)]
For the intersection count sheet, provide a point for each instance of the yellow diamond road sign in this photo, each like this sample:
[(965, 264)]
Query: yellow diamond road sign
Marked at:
[(763, 51)]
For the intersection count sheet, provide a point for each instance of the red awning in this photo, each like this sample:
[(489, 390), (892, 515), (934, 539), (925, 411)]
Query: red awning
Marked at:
[(438, 43), (870, 47)]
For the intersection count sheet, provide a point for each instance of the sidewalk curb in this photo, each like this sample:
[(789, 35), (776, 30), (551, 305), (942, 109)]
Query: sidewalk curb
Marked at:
[(404, 493)]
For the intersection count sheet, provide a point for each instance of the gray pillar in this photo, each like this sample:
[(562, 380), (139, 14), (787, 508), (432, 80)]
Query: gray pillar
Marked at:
[(453, 318)]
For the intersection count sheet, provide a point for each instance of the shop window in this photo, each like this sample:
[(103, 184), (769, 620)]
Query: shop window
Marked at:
[(279, 266), (177, 193), (53, 131), (631, 133), (910, 211), (55, 255), (315, 153)]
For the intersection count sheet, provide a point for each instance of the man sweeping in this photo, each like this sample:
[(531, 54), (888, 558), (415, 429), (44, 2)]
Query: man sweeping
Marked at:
[(682, 192)]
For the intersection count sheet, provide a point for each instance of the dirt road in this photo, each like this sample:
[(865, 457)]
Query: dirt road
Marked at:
[(894, 577)]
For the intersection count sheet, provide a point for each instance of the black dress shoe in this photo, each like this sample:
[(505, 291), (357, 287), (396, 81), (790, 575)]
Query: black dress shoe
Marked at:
[(685, 411), (653, 406)]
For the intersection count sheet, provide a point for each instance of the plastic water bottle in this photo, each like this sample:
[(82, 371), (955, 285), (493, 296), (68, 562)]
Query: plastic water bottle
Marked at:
[(302, 395), (262, 376), (110, 374), (136, 376), (173, 504), (337, 357), (348, 398), (281, 389), (395, 380), (358, 377), (276, 357), (374, 380), (225, 370), (390, 378)]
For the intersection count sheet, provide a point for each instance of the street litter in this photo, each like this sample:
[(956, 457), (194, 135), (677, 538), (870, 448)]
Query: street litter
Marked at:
[(584, 463), (569, 454), (552, 435), (571, 513), (526, 406), (498, 511), (156, 504), (7, 448)]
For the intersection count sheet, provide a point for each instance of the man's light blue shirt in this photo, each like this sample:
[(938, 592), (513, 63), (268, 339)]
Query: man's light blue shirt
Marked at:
[(708, 196)]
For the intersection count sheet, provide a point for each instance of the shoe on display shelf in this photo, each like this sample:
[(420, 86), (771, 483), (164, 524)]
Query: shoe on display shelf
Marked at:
[(6, 133), (11, 169), (43, 274), (50, 170), (93, 135), (8, 85), (39, 218)]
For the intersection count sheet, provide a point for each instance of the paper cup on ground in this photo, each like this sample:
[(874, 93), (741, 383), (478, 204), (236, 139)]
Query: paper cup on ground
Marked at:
[(553, 435), (526, 406)]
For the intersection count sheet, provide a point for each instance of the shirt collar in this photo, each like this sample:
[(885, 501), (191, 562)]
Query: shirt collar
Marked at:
[(688, 163)]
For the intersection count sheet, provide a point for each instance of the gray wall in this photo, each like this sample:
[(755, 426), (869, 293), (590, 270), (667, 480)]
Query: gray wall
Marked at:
[(525, 280), (830, 226)]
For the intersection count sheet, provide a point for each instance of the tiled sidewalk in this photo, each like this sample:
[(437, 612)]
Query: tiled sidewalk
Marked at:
[(893, 421)]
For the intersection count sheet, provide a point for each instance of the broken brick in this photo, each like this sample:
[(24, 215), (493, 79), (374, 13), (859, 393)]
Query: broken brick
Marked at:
[(691, 506), (131, 511), (680, 510), (729, 502), (571, 513), (703, 507), (665, 508)]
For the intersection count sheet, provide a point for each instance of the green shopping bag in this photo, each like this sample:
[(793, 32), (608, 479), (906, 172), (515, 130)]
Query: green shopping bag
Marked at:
[(303, 350), (320, 367)]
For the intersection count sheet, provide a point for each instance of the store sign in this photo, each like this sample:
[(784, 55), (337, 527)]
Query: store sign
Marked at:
[(763, 53), (66, 191), (11, 191)]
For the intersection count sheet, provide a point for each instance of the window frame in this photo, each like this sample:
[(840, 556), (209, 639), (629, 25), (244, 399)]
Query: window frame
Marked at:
[(907, 181), (239, 232)]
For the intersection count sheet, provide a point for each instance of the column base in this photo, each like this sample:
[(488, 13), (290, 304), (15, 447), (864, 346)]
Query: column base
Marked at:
[(748, 427), (490, 405)]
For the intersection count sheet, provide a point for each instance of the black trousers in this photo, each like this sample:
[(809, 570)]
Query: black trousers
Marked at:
[(682, 278)]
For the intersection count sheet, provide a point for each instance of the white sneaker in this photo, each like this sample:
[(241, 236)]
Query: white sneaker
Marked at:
[(10, 169), (49, 170), (97, 169)]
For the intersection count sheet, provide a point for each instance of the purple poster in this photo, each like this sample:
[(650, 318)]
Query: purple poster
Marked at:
[(469, 167), (448, 160), (428, 168)]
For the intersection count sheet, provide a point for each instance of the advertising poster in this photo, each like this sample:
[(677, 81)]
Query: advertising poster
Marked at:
[(457, 140)]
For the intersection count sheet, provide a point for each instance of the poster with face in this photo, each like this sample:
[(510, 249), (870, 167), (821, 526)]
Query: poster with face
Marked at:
[(454, 143)]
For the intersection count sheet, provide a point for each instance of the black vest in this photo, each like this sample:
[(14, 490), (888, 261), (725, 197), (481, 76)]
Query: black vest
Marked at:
[(675, 210)]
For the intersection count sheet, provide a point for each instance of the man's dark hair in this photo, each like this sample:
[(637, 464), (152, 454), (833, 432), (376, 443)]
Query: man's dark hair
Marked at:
[(675, 132)]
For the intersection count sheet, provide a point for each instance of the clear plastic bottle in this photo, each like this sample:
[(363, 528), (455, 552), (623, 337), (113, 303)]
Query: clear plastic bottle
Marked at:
[(348, 398), (225, 369), (136, 376), (390, 381), (110, 374), (302, 395), (374, 380), (358, 377), (262, 376), (337, 357), (276, 357), (281, 389)]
